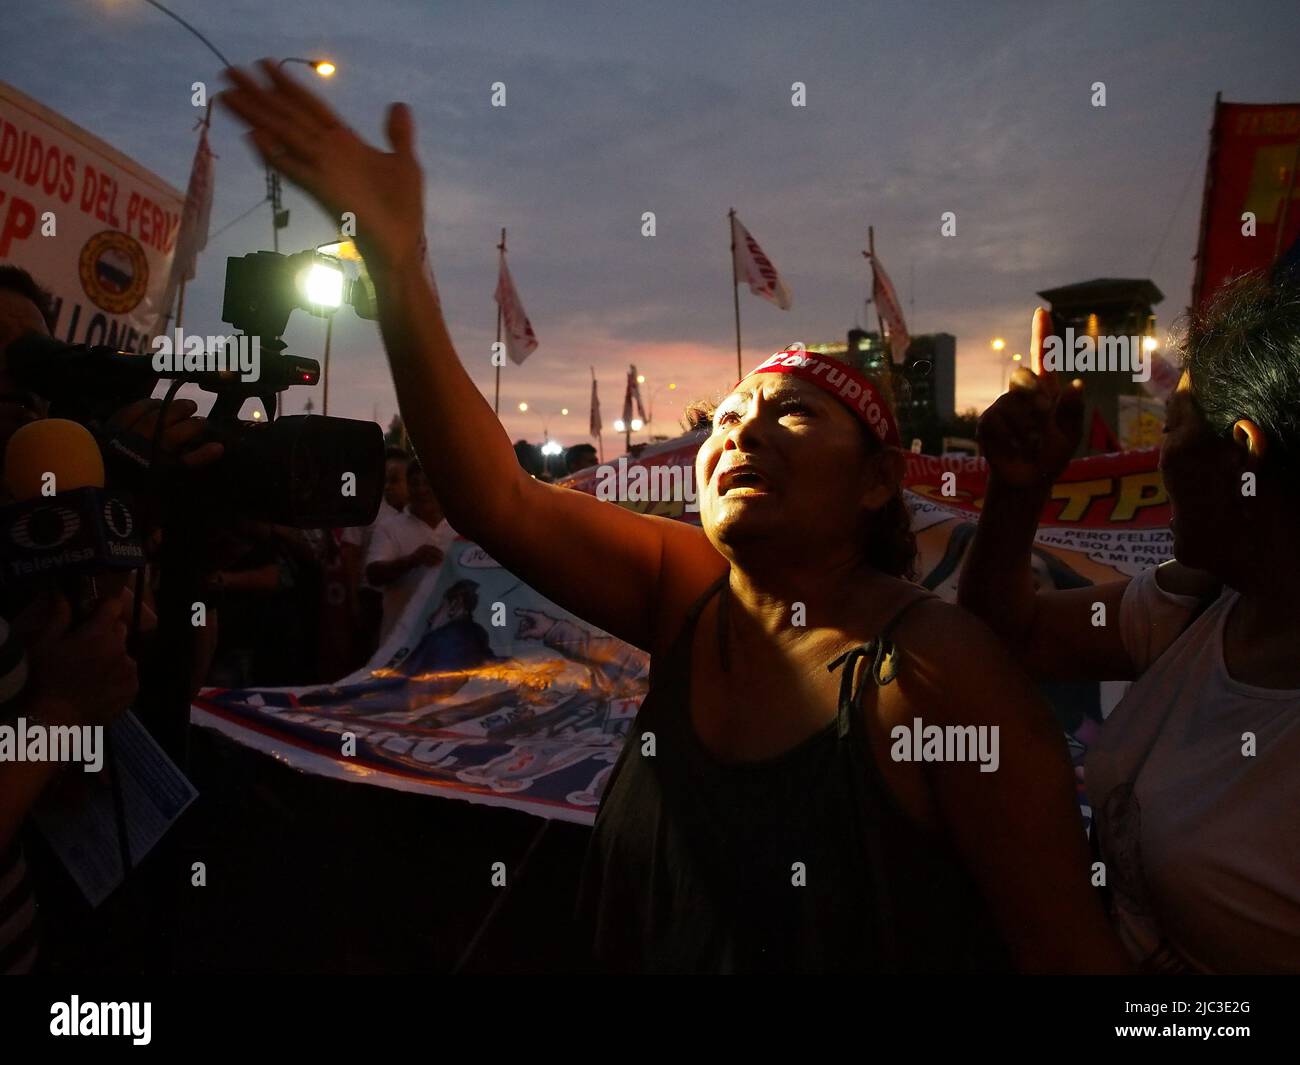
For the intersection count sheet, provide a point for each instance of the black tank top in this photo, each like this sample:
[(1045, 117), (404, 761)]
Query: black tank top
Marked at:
[(799, 863)]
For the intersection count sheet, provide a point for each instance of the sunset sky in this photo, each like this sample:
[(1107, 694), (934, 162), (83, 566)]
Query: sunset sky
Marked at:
[(684, 109)]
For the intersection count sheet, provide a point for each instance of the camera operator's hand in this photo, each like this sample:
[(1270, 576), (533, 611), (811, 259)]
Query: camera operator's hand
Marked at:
[(181, 429), (1029, 435), (81, 675), (296, 133)]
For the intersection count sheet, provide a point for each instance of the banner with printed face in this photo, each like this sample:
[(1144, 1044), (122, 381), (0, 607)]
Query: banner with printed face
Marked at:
[(94, 228), (488, 692)]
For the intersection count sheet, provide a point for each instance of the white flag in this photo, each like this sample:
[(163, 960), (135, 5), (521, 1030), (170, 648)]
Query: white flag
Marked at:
[(756, 268), (889, 309), (521, 341), (631, 396), (196, 218)]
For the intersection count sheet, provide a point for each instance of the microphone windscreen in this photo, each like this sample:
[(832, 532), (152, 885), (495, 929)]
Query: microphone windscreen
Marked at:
[(57, 446)]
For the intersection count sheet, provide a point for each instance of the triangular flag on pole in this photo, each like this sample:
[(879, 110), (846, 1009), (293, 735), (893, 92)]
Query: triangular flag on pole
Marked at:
[(889, 309), (633, 393), (595, 418), (756, 268), (192, 237), (520, 339)]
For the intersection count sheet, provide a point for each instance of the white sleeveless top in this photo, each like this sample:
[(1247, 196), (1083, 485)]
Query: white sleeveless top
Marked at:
[(1201, 837)]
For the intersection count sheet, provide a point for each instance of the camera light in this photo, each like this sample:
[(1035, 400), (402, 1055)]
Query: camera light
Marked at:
[(322, 285)]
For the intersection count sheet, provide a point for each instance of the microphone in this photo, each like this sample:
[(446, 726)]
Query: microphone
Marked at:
[(63, 524)]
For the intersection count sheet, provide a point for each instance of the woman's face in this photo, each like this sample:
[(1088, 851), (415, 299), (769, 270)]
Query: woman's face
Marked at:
[(1202, 474), (785, 461)]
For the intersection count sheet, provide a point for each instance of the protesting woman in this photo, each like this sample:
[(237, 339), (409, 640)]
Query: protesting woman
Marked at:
[(1194, 783), (756, 819)]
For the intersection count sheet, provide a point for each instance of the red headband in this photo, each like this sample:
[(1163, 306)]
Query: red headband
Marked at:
[(837, 378)]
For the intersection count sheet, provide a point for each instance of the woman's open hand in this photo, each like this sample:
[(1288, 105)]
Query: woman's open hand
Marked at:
[(296, 132)]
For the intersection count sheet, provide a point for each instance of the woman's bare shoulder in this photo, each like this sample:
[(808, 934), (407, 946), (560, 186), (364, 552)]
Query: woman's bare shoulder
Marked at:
[(691, 565), (934, 626)]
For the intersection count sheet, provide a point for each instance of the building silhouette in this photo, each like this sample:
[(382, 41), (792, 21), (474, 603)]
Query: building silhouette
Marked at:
[(923, 390), (1105, 307)]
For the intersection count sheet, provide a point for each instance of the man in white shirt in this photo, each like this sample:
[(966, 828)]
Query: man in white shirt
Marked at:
[(367, 608), (404, 548), (395, 498)]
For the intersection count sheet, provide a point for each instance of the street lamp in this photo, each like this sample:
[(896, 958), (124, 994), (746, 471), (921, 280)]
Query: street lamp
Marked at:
[(550, 448), (279, 216), (546, 421), (650, 414)]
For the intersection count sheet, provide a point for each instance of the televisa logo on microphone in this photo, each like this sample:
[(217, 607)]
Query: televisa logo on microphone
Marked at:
[(191, 353)]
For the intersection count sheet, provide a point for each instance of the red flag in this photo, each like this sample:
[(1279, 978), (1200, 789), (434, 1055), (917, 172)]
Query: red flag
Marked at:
[(1254, 156), (756, 268), (595, 408), (889, 309), (521, 341), (1100, 438)]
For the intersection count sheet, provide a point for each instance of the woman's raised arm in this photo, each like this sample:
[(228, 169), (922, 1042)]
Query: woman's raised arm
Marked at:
[(602, 562)]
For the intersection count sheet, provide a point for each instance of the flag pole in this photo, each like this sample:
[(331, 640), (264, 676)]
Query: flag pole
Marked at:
[(1199, 279), (735, 289), (871, 255), (600, 433), (496, 352), (329, 336)]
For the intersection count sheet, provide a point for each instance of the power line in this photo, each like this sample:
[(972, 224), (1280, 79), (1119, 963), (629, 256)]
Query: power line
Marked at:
[(172, 14), (239, 219), (1178, 206)]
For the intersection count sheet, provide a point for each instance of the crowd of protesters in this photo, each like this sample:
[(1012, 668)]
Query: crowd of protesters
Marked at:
[(308, 606), (930, 865)]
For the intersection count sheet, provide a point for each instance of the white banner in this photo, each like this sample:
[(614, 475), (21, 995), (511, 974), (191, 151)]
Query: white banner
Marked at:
[(94, 228)]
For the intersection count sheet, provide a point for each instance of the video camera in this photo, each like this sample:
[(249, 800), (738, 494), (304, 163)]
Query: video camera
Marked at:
[(305, 471)]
